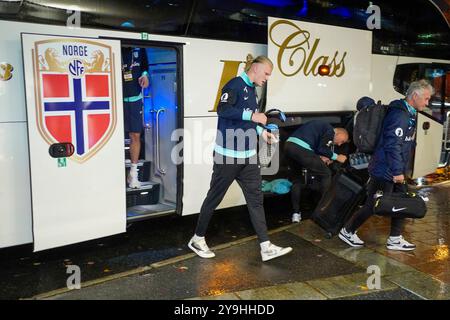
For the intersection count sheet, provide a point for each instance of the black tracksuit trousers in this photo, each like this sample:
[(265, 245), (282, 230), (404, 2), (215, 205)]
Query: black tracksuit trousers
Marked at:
[(366, 211), (299, 158), (249, 179)]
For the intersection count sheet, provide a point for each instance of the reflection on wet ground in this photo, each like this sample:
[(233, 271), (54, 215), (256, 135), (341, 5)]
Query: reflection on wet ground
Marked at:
[(24, 274), (318, 268), (431, 235)]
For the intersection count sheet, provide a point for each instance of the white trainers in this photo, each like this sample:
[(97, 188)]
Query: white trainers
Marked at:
[(350, 238), (273, 251), (296, 217), (201, 248), (132, 179), (398, 243)]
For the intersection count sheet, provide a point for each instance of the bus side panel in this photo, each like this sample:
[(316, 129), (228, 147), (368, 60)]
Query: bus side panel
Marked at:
[(81, 198), (202, 85), (428, 147), (15, 202), (382, 88), (205, 61), (199, 138), (299, 48), (12, 97), (15, 198)]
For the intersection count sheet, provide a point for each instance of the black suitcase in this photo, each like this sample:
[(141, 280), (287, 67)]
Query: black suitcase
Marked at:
[(339, 202)]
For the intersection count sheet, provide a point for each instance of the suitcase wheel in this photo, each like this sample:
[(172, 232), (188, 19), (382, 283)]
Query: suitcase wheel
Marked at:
[(328, 235)]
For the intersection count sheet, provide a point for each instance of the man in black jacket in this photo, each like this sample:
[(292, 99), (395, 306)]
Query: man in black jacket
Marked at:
[(235, 157), (389, 163), (311, 147)]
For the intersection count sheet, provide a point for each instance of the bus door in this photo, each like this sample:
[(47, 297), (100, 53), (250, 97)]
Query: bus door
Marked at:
[(159, 174), (428, 145), (75, 135)]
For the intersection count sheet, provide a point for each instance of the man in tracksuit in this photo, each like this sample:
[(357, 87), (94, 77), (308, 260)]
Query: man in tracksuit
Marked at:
[(389, 163), (311, 147), (135, 78), (235, 156)]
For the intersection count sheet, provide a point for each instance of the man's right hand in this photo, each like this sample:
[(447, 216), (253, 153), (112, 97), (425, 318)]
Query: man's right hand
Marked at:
[(399, 179), (269, 137), (341, 158), (143, 81), (326, 160), (259, 117)]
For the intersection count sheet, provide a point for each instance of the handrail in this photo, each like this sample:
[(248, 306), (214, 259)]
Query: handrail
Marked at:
[(446, 132), (158, 151), (144, 124)]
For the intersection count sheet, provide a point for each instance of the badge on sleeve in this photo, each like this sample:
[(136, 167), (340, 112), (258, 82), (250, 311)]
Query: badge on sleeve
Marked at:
[(399, 132), (228, 97), (224, 98)]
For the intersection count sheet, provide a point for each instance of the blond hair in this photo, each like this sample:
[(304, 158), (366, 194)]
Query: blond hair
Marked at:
[(259, 59)]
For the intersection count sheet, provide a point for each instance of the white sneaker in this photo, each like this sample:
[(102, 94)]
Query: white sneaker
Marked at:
[(398, 243), (296, 217), (201, 248), (350, 238), (132, 179), (274, 251)]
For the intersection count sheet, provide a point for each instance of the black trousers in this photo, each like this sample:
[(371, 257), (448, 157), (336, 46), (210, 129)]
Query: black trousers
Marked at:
[(366, 211), (249, 179), (299, 158)]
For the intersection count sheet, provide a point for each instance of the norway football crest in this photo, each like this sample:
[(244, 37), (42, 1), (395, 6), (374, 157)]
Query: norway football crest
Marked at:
[(75, 94)]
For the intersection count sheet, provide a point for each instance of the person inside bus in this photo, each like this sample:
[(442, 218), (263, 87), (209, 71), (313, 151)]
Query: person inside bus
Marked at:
[(389, 163), (135, 78), (311, 147), (238, 117)]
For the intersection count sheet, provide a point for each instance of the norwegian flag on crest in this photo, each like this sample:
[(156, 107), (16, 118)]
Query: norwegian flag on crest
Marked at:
[(76, 110), (75, 93)]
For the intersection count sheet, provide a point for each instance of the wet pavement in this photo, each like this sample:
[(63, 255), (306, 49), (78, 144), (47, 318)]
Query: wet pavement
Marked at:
[(24, 274), (158, 266), (236, 268)]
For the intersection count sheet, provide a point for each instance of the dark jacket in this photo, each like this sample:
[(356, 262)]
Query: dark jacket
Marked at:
[(134, 60), (237, 103), (393, 151), (319, 135)]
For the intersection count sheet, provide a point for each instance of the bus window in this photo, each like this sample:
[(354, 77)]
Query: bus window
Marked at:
[(404, 75), (440, 102), (159, 17), (436, 74), (417, 29)]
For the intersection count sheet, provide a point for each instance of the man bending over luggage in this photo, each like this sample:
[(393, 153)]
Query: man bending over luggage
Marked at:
[(311, 147), (389, 162)]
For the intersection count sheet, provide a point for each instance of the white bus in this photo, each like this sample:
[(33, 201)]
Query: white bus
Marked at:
[(60, 83)]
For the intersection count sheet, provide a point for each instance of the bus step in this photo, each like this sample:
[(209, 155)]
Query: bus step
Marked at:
[(148, 194), (144, 167)]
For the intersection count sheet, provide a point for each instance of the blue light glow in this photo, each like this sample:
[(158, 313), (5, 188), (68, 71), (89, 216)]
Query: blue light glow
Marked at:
[(273, 3), (304, 11), (127, 24), (341, 11)]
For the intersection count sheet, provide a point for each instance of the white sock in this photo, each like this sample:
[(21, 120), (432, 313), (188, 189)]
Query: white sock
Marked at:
[(265, 245), (196, 238), (134, 166)]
